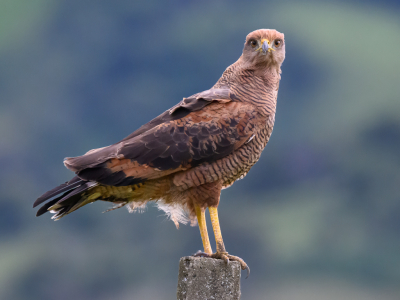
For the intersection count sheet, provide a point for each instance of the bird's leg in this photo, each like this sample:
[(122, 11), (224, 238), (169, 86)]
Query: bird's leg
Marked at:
[(217, 230), (201, 220), (221, 252)]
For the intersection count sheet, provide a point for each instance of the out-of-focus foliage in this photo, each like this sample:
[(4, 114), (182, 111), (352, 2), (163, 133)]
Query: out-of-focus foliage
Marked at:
[(317, 218)]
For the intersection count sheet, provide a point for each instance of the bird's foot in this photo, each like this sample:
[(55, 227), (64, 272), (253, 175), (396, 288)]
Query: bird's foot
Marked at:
[(226, 257)]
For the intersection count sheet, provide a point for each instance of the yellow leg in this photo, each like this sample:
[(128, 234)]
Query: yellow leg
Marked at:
[(217, 229), (201, 219), (221, 252)]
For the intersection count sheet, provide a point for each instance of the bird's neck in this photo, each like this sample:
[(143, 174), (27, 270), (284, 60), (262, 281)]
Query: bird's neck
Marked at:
[(257, 85)]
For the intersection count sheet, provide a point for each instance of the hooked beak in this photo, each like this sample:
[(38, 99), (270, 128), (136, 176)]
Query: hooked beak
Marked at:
[(266, 46)]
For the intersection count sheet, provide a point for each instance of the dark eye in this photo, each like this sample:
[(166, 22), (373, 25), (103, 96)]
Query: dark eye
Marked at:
[(253, 43), (277, 43)]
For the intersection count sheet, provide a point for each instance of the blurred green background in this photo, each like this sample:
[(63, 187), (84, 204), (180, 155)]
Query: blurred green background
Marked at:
[(318, 217)]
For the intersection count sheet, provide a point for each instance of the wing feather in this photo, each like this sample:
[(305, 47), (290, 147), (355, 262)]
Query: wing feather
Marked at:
[(208, 130)]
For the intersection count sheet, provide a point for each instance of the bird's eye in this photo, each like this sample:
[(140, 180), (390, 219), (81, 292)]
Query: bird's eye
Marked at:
[(277, 43), (253, 43)]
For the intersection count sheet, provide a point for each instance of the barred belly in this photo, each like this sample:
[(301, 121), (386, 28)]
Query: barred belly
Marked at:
[(248, 155)]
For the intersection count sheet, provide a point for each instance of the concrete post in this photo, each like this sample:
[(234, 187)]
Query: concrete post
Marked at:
[(202, 278)]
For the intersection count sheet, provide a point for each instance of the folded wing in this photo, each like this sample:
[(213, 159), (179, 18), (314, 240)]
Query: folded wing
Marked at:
[(202, 128)]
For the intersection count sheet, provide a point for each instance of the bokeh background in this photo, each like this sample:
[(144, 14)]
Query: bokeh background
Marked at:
[(318, 217)]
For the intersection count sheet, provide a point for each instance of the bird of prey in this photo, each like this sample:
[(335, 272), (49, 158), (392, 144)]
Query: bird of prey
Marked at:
[(183, 158)]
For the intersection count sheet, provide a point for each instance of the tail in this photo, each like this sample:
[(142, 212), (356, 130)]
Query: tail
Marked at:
[(71, 198)]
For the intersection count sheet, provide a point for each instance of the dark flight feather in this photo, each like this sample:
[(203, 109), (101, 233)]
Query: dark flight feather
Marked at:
[(66, 201), (46, 206), (75, 186), (73, 183)]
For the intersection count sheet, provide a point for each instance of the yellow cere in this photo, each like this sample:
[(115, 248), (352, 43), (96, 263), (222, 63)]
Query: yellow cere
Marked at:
[(269, 44)]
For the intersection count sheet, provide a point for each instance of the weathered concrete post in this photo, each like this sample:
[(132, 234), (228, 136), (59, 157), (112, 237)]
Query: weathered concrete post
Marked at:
[(207, 278)]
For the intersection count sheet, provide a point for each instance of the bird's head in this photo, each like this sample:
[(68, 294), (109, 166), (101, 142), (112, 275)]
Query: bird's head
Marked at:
[(264, 47)]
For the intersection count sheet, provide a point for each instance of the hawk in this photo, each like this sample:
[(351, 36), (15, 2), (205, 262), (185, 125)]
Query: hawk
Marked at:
[(183, 158)]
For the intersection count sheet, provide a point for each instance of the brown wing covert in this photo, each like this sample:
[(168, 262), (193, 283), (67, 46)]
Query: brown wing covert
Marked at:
[(201, 136)]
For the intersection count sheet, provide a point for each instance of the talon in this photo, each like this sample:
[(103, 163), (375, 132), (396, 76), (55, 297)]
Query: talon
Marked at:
[(243, 265), (201, 254), (246, 267), (225, 257)]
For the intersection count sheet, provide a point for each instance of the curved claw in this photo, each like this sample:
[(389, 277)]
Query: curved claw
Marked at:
[(248, 271), (243, 265), (201, 254), (224, 256)]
